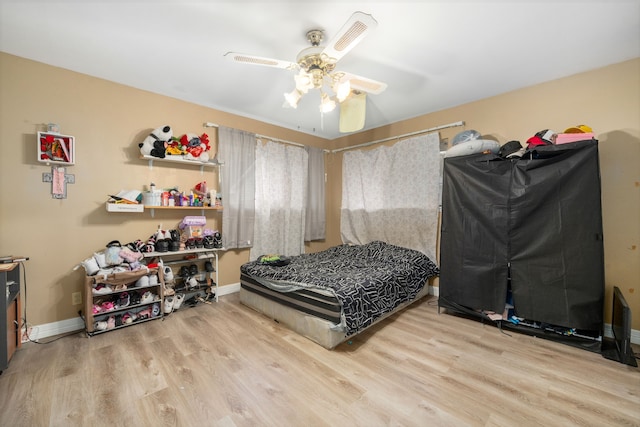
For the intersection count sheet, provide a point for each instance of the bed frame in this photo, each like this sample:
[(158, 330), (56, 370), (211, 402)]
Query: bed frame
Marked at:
[(321, 331)]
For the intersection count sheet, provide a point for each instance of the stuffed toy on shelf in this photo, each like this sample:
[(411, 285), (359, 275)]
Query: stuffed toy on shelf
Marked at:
[(155, 144)]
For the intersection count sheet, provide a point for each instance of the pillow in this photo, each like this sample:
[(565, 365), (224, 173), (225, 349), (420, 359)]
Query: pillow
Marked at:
[(90, 266), (275, 260), (474, 146), (101, 259)]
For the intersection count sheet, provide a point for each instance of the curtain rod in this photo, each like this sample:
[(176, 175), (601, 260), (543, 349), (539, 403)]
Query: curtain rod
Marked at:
[(365, 144), (283, 141)]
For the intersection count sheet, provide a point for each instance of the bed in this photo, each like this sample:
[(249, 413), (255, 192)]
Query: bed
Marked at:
[(332, 295)]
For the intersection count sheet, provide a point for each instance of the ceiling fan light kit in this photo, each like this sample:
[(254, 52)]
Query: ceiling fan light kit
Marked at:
[(316, 68)]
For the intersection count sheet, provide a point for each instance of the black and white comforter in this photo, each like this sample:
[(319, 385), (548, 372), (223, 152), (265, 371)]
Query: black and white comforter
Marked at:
[(369, 280)]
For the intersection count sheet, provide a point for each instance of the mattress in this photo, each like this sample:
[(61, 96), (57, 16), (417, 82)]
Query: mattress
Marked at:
[(313, 301), (348, 286)]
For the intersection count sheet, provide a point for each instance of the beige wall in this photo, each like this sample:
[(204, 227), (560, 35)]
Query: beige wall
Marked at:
[(109, 119)]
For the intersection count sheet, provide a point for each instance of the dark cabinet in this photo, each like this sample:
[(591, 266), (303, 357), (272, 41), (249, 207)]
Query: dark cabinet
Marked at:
[(527, 231), (10, 331)]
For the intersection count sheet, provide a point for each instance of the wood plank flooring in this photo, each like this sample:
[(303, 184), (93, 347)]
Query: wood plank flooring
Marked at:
[(228, 366)]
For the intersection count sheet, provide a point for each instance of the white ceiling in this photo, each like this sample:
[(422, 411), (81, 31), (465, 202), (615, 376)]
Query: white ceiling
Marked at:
[(432, 54)]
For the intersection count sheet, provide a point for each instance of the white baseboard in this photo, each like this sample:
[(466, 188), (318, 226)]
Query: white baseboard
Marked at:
[(55, 328), (229, 289), (77, 324), (635, 334)]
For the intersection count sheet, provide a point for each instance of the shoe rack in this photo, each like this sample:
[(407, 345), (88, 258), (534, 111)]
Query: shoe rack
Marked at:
[(124, 299), (191, 274)]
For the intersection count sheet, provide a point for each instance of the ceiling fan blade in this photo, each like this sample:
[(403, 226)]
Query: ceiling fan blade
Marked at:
[(260, 60), (353, 31), (360, 83)]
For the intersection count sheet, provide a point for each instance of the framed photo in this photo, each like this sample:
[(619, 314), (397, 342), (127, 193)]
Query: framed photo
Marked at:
[(55, 148)]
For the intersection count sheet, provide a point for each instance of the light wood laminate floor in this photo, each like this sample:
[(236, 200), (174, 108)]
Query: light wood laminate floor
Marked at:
[(226, 365)]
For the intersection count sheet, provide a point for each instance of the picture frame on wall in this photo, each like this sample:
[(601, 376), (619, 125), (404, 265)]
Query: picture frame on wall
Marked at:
[(55, 148)]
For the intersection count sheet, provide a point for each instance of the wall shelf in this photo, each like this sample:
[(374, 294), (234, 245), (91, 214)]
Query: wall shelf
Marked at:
[(182, 160), (124, 207), (131, 208), (184, 252), (184, 208), (205, 208)]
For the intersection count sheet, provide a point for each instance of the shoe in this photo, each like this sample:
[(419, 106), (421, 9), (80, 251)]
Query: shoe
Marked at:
[(96, 309), (191, 243), (146, 298), (155, 310), (107, 306), (142, 282), (168, 274), (192, 282), (128, 318), (101, 289), (209, 267), (162, 245), (153, 280), (168, 291), (177, 301), (124, 300), (168, 305), (134, 298), (100, 326), (184, 271), (111, 322), (144, 314), (174, 245), (199, 242), (217, 240), (193, 270), (208, 242)]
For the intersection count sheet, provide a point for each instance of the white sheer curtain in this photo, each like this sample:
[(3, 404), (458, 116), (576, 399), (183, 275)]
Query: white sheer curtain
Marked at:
[(316, 217), (281, 197), (392, 194), (236, 149)]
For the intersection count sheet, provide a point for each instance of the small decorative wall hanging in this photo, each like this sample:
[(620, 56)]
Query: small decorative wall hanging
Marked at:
[(59, 181), (55, 148)]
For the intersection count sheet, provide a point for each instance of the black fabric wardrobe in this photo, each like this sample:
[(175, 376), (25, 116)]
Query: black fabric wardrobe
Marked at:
[(533, 224)]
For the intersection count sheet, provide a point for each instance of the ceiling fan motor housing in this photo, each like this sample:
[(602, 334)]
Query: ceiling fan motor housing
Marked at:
[(314, 37)]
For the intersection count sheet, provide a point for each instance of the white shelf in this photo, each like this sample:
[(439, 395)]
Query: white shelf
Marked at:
[(184, 252), (181, 159), (124, 207)]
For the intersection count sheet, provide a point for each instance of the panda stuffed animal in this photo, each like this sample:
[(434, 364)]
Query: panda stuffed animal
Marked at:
[(156, 142)]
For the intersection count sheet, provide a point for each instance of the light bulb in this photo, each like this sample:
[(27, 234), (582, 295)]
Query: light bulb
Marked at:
[(326, 104), (292, 98), (342, 90)]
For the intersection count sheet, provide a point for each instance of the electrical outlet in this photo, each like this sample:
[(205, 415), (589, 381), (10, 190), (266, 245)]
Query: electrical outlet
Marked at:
[(76, 298)]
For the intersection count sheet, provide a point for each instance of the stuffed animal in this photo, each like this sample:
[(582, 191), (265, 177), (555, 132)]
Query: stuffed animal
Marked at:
[(155, 144), (129, 255), (196, 147), (175, 147)]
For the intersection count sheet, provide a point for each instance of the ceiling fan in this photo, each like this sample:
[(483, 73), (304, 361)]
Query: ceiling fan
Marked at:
[(315, 68)]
